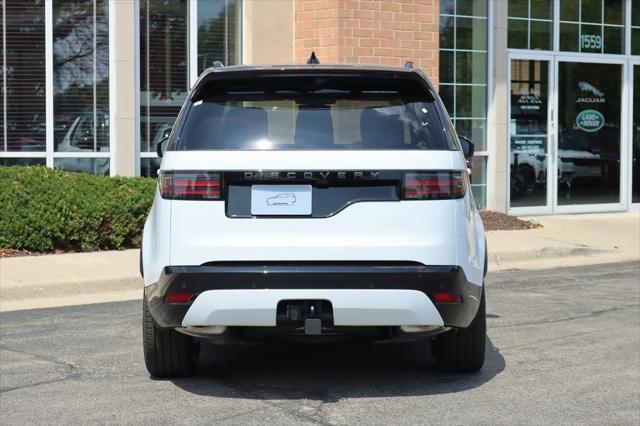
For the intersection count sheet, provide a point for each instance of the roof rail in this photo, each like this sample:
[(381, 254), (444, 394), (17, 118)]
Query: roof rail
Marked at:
[(408, 64), (218, 64), (313, 59)]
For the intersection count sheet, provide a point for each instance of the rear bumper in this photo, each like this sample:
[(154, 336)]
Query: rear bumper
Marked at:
[(362, 294), (257, 308)]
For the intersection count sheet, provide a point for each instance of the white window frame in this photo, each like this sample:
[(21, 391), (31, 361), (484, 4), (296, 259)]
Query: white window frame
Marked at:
[(555, 56)]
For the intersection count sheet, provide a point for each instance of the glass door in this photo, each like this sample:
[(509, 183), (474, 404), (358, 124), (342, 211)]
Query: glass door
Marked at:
[(635, 136), (530, 115), (589, 135)]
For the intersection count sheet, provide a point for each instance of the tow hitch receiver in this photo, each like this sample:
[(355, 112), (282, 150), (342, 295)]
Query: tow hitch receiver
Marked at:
[(313, 315), (313, 326)]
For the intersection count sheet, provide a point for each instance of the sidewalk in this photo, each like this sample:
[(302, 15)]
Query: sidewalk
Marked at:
[(569, 240), (28, 282), (78, 278)]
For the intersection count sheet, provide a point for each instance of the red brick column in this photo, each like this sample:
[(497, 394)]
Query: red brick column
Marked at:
[(385, 32)]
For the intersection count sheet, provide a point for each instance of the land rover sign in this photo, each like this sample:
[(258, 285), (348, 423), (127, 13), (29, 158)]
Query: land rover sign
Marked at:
[(590, 120)]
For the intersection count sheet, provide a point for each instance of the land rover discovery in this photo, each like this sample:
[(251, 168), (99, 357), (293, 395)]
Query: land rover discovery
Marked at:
[(315, 203)]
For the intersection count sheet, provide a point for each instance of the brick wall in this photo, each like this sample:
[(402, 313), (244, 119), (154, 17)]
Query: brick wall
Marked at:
[(386, 32)]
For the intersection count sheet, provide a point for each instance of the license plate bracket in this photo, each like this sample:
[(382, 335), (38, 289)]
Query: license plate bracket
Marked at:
[(281, 200)]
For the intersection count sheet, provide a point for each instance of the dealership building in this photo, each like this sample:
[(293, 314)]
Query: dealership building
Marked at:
[(548, 90)]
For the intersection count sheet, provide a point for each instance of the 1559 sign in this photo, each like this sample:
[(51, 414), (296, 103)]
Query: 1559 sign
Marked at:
[(591, 41)]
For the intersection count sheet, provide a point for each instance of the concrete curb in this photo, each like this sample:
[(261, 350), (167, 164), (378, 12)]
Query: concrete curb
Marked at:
[(84, 287), (500, 258), (79, 292)]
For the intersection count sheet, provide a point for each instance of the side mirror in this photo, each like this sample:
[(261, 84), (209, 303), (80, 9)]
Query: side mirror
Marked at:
[(467, 146), (160, 146)]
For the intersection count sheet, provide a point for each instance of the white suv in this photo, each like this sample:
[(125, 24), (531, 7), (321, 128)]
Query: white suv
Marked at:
[(313, 203)]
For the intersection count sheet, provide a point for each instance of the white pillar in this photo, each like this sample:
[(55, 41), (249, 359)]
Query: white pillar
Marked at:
[(498, 137), (123, 87)]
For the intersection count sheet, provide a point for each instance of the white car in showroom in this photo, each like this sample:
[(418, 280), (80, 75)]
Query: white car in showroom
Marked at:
[(313, 203)]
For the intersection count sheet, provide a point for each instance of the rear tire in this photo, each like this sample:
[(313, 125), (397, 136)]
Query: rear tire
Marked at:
[(167, 353), (461, 350)]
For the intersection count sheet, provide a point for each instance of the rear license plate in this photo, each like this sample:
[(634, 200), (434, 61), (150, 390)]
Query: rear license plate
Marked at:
[(281, 200)]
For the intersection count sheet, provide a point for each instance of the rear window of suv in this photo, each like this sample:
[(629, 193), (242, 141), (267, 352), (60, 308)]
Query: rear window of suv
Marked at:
[(312, 113)]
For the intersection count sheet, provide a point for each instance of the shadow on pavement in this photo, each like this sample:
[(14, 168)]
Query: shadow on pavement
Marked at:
[(329, 372)]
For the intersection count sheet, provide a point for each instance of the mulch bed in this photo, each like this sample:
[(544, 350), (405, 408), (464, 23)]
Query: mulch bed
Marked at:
[(13, 253), (494, 221)]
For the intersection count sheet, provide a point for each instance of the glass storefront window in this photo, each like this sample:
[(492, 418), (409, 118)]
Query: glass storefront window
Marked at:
[(635, 155), (81, 76), (530, 24), (518, 34), (570, 10), (528, 133), (22, 161), (164, 59), (447, 39), (592, 26), (163, 67), (447, 7), (463, 76), (589, 138), (219, 37), (96, 166), (149, 167), (479, 194), (80, 90), (475, 130), (471, 102), (540, 35), (471, 8), (471, 33), (478, 180), (23, 39), (635, 27)]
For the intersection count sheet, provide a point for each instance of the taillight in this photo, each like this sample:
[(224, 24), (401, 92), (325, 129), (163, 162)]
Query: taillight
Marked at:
[(435, 185), (190, 185)]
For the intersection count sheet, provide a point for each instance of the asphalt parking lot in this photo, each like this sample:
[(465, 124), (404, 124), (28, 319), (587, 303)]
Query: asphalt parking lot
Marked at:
[(564, 347)]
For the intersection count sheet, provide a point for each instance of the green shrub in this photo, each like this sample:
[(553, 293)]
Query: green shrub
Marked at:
[(43, 210)]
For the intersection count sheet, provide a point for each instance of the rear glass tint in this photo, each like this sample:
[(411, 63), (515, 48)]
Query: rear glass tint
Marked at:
[(312, 113)]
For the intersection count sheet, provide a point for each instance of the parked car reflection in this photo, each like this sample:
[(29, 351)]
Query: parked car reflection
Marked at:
[(583, 160), (82, 135), (528, 164)]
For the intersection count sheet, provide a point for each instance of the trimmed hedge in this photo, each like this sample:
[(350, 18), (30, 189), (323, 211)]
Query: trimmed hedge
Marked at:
[(43, 209)]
